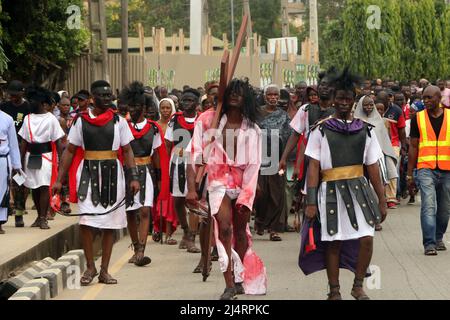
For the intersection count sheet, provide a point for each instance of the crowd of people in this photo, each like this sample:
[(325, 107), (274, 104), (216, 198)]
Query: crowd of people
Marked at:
[(339, 152)]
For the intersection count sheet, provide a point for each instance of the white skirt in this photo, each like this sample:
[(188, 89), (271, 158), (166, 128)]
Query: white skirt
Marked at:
[(345, 228), (4, 186), (148, 201), (113, 220), (39, 177), (176, 188)]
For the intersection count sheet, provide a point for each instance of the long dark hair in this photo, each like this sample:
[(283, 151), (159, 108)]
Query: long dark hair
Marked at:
[(250, 109)]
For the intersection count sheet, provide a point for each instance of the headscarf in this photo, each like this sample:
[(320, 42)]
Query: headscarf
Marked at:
[(171, 103), (375, 119)]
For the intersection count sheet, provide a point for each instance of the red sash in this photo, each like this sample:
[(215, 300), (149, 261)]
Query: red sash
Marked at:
[(182, 121)]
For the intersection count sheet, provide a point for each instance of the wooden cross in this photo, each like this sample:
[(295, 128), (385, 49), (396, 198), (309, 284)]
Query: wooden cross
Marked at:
[(227, 70)]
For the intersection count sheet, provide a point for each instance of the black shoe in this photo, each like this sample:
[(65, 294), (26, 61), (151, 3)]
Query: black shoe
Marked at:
[(19, 222), (228, 294), (440, 246), (239, 288)]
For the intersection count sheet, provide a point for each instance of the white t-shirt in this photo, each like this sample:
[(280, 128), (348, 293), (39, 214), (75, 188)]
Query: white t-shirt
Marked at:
[(44, 128), (300, 123)]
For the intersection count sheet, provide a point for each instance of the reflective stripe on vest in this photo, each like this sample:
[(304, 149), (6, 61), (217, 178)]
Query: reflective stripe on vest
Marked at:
[(433, 153)]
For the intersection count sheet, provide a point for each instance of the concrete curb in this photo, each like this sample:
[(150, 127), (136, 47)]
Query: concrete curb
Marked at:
[(36, 289), (47, 278)]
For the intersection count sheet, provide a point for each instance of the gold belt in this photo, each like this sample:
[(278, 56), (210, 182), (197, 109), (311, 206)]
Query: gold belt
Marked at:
[(100, 155), (342, 173), (143, 161)]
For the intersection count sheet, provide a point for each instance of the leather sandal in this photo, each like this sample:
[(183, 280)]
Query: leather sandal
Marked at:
[(334, 293), (43, 224), (358, 283), (36, 223), (87, 277), (106, 278), (141, 259), (191, 248), (171, 241), (275, 237), (229, 294), (199, 267)]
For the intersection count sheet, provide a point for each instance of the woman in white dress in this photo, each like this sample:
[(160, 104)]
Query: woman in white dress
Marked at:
[(41, 135)]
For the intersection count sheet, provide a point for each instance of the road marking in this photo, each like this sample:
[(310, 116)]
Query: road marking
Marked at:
[(97, 288)]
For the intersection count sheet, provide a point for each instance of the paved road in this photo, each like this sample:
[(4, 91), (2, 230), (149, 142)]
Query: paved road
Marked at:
[(405, 272)]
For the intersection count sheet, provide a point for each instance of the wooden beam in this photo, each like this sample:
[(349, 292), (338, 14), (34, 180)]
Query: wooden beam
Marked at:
[(238, 47)]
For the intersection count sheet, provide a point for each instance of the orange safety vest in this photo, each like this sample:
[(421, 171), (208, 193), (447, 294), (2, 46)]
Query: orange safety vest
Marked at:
[(433, 153)]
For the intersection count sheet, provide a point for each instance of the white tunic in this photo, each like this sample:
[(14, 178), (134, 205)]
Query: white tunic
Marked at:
[(8, 145), (185, 159), (44, 128), (319, 149), (300, 123), (116, 219), (148, 202)]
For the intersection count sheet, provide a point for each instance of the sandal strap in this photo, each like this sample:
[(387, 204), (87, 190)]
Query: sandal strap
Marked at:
[(358, 283)]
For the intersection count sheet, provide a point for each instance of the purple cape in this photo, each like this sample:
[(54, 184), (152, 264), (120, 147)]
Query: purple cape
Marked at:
[(315, 261), (350, 128)]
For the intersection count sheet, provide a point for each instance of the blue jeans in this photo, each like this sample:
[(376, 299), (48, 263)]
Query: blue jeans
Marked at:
[(434, 188)]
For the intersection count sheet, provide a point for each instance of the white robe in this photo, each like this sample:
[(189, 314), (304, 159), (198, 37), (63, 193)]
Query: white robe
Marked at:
[(169, 136), (148, 201), (44, 128), (8, 145), (116, 219)]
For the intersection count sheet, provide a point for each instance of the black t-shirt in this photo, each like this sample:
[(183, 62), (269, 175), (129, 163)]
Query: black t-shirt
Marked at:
[(18, 113), (436, 123)]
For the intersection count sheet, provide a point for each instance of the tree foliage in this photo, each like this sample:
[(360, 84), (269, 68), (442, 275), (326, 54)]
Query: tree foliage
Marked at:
[(37, 40), (413, 40), (173, 15)]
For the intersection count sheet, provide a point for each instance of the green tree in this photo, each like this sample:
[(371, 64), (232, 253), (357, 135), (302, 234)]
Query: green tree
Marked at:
[(3, 58), (174, 15), (38, 41)]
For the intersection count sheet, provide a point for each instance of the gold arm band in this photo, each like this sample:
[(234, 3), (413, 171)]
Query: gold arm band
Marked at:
[(100, 155), (342, 173), (143, 161)]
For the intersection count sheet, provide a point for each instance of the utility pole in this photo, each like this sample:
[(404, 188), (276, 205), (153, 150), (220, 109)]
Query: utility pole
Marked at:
[(314, 31), (196, 26), (99, 41), (124, 20), (232, 22), (249, 33), (285, 19)]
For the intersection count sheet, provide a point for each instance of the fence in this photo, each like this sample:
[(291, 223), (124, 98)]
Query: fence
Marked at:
[(176, 70)]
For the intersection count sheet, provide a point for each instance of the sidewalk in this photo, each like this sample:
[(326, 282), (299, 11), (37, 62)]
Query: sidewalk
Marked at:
[(19, 246)]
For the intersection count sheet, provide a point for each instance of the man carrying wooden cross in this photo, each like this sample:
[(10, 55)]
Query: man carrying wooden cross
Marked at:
[(233, 163)]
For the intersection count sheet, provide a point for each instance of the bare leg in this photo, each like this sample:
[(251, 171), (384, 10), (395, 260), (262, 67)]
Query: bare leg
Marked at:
[(144, 225), (332, 256), (179, 204), (35, 193), (240, 232), (44, 201), (107, 245), (132, 225), (87, 239), (225, 231), (364, 257)]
